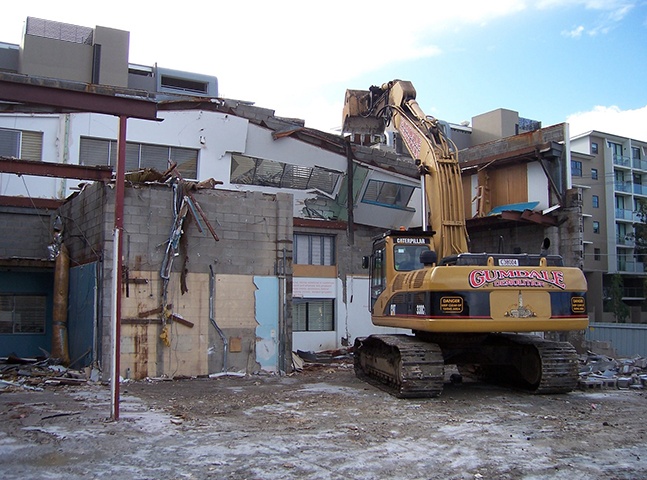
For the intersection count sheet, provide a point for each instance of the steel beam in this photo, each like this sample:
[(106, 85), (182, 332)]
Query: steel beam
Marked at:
[(56, 170)]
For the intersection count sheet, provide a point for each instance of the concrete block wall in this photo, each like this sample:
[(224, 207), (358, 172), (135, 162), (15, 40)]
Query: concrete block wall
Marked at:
[(253, 230), (84, 218), (26, 232)]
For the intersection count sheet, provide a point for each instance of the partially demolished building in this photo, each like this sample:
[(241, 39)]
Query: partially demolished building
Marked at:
[(243, 231)]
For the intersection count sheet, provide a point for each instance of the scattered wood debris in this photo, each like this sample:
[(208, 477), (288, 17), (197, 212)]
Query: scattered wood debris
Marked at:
[(37, 373)]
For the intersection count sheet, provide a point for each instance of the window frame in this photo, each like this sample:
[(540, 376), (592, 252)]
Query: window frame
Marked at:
[(137, 157), (16, 141), (594, 174), (325, 257), (32, 303), (595, 201), (327, 320), (401, 197), (576, 168), (596, 227)]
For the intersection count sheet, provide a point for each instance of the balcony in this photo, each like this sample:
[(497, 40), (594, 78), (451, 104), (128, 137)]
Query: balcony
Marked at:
[(627, 215), (625, 241), (621, 161), (630, 267), (626, 187), (639, 164), (640, 189), (627, 292)]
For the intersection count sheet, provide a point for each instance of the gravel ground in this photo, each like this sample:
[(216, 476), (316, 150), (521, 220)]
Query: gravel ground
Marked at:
[(321, 423)]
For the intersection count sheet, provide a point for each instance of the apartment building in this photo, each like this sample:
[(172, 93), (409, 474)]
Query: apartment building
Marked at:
[(612, 172)]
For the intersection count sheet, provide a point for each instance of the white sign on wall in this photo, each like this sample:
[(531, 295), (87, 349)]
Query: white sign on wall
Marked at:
[(314, 287)]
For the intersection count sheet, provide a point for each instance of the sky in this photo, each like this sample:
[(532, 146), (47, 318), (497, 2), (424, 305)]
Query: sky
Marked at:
[(578, 61)]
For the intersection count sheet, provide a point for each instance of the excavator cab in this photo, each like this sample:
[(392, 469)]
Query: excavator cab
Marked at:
[(396, 252)]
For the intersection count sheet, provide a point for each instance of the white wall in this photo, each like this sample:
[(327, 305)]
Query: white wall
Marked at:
[(538, 186), (26, 185), (353, 319)]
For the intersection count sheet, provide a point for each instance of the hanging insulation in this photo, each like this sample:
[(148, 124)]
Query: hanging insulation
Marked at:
[(60, 348)]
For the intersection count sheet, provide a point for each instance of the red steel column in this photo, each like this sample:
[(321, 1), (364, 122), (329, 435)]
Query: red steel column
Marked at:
[(120, 176)]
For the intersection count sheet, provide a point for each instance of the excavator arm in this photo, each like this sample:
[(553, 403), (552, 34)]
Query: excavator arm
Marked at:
[(443, 212)]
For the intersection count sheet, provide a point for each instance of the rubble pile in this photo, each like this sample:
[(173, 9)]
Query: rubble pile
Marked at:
[(37, 373), (603, 372)]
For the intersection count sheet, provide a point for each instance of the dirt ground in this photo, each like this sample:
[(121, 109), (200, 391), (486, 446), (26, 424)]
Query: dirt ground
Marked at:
[(322, 423)]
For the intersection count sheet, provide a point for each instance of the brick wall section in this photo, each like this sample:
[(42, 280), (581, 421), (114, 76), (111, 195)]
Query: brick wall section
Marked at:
[(26, 232)]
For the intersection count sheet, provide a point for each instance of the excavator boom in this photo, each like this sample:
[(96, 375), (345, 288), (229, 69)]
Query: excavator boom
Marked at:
[(443, 206), (463, 308)]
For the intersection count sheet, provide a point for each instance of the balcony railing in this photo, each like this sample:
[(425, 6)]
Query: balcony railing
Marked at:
[(639, 163), (621, 160), (640, 189), (623, 186), (626, 215), (632, 267), (625, 241), (627, 292)]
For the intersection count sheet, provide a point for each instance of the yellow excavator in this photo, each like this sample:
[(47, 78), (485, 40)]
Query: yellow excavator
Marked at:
[(472, 310)]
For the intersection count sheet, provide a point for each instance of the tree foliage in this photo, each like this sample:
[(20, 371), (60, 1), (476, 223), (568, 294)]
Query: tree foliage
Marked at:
[(617, 306)]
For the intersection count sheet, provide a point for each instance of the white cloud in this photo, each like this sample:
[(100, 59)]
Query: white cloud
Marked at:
[(575, 33), (613, 120)]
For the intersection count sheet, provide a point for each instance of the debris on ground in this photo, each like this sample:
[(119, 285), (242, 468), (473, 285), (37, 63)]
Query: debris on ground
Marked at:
[(602, 372), (342, 357), (36, 373)]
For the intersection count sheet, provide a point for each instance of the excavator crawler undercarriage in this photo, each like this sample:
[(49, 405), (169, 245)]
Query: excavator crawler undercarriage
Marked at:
[(409, 367)]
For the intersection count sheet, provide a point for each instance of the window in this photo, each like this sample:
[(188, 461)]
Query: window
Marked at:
[(314, 249), (388, 194), (594, 173), (313, 315), (184, 84), (22, 144), (97, 151), (378, 274), (9, 143), (635, 153), (269, 173), (595, 200), (594, 148), (596, 254), (22, 313), (407, 257), (576, 168), (596, 227)]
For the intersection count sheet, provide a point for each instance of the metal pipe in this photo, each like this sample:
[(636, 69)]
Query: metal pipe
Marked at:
[(424, 212), (212, 318)]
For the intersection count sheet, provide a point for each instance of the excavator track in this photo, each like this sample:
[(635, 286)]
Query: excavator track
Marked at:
[(543, 366), (402, 365)]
